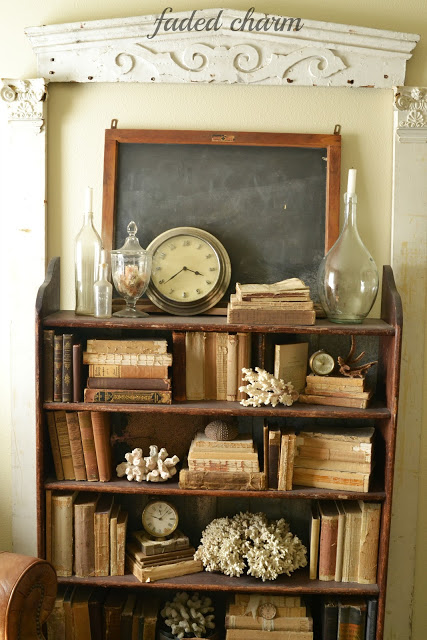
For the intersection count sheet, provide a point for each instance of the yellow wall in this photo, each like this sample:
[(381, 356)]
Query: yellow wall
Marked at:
[(78, 116)]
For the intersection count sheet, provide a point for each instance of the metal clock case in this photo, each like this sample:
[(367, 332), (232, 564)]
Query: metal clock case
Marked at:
[(191, 271)]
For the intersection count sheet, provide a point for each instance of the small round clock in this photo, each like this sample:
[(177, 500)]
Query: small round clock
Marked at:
[(191, 271), (321, 363), (159, 518)]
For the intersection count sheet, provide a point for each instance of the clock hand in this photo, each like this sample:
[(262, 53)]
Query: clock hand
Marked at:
[(196, 272), (176, 274)]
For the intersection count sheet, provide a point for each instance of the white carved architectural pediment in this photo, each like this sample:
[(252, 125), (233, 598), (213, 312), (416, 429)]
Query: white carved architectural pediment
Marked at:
[(310, 53)]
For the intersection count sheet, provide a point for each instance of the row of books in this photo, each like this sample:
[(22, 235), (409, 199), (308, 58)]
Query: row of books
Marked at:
[(102, 614), (85, 534), (285, 302), (344, 538), (345, 618), (62, 363), (214, 363), (330, 459), (128, 371), (80, 443), (338, 391)]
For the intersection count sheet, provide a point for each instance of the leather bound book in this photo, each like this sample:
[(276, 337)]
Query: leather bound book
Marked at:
[(54, 445), (102, 535), (62, 531), (371, 619), (127, 371), (48, 339), (57, 368), (232, 344), (101, 436), (127, 396), (96, 613), (351, 619), (369, 538), (67, 367), (68, 614), (328, 539), (76, 445), (113, 539), (126, 617), (84, 540), (77, 373), (178, 367), (273, 457), (138, 620), (80, 610), (329, 619), (64, 445), (151, 610), (88, 445), (147, 384), (113, 607), (243, 361)]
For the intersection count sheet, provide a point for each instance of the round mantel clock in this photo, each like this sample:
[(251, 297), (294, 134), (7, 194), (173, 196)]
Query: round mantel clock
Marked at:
[(191, 271), (159, 518), (321, 363)]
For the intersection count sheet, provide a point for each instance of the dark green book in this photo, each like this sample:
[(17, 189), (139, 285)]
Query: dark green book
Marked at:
[(371, 619), (329, 619), (351, 619)]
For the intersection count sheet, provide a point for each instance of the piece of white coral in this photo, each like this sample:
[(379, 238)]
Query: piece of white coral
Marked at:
[(156, 467), (263, 389), (189, 615), (249, 541)]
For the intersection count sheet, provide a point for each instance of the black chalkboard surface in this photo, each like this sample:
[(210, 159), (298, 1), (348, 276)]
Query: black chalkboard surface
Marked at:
[(266, 203)]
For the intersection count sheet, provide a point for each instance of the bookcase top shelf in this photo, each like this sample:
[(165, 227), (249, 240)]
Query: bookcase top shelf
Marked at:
[(370, 326), (298, 583), (377, 410), (123, 486)]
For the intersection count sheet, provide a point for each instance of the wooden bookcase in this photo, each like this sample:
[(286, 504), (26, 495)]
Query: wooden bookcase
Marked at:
[(382, 413)]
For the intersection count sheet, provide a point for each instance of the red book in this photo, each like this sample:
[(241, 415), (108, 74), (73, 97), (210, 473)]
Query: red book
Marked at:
[(328, 539)]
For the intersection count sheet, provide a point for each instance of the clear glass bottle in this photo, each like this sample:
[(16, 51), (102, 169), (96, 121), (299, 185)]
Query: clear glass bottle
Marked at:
[(87, 251), (348, 277), (103, 291)]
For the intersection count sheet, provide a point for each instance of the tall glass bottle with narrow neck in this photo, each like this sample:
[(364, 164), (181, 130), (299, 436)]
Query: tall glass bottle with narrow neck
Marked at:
[(348, 276), (103, 290), (87, 251)]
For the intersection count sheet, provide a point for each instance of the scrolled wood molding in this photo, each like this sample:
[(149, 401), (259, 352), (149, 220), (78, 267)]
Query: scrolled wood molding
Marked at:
[(24, 100), (311, 53), (410, 104)]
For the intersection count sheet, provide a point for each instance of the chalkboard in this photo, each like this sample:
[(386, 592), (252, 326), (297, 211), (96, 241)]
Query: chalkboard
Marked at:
[(274, 206)]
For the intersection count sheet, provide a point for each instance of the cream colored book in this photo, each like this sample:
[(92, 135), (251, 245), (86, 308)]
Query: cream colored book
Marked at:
[(113, 539), (353, 521), (248, 634), (283, 465), (202, 442), (126, 346), (290, 364), (340, 540), (248, 466), (232, 344), (243, 361), (102, 535), (210, 365), (325, 479), (345, 434), (195, 365), (278, 601), (291, 461), (334, 381), (223, 454), (122, 522), (63, 532), (281, 612), (332, 465), (369, 540), (144, 359), (338, 453), (221, 366), (270, 303), (283, 286), (314, 541)]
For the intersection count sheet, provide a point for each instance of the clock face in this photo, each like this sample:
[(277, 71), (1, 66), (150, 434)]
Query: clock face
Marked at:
[(321, 363), (185, 268), (190, 273), (159, 518)]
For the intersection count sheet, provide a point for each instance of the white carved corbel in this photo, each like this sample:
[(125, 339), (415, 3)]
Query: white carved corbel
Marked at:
[(24, 100), (411, 114)]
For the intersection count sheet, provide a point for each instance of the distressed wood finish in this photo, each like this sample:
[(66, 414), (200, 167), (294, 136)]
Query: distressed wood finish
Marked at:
[(114, 137), (383, 411)]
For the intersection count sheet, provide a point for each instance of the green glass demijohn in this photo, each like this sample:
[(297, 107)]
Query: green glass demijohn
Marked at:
[(348, 277)]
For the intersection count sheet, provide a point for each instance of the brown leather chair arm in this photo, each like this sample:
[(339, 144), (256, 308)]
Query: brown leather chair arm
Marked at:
[(27, 596)]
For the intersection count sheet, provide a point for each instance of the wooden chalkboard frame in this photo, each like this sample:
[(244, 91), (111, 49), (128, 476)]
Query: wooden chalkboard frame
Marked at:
[(115, 137)]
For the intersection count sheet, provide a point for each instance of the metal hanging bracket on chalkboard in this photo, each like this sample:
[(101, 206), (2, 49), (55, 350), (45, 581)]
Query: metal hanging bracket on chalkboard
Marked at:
[(114, 123), (337, 130)]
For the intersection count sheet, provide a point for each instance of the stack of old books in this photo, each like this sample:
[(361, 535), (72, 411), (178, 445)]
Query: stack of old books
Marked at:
[(285, 302), (332, 460), (344, 537), (338, 391), (152, 559), (222, 464), (128, 371), (264, 617)]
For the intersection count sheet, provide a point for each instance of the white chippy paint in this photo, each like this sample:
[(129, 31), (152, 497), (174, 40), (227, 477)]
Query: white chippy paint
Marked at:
[(23, 198), (318, 54), (409, 261)]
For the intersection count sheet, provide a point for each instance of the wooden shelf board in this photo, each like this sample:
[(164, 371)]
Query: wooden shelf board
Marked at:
[(172, 488), (299, 582), (220, 407), (370, 326)]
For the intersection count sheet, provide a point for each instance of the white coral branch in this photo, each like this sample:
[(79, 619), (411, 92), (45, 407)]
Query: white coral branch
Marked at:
[(264, 389), (156, 467), (187, 614)]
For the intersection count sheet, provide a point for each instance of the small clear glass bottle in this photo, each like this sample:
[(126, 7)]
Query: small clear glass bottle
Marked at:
[(87, 251), (348, 276), (103, 291)]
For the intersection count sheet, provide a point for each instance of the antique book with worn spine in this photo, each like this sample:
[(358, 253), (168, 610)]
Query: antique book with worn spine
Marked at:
[(314, 541), (64, 445), (131, 359), (48, 340), (335, 401), (353, 521), (290, 363), (77, 373), (57, 368), (54, 444), (248, 634), (62, 531), (328, 539), (113, 608), (163, 571), (270, 316), (88, 445), (67, 367), (69, 621), (113, 539), (283, 464), (351, 619), (122, 521), (243, 360), (340, 540), (210, 366), (101, 436), (76, 445), (291, 459), (232, 361), (127, 371), (128, 396), (84, 534), (195, 365), (326, 479), (56, 621), (369, 539), (80, 610), (221, 366), (329, 619), (274, 438), (102, 535), (127, 616), (147, 384), (96, 612), (126, 346), (227, 480)]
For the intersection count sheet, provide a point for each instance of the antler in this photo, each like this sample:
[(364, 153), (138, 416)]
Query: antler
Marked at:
[(346, 364)]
